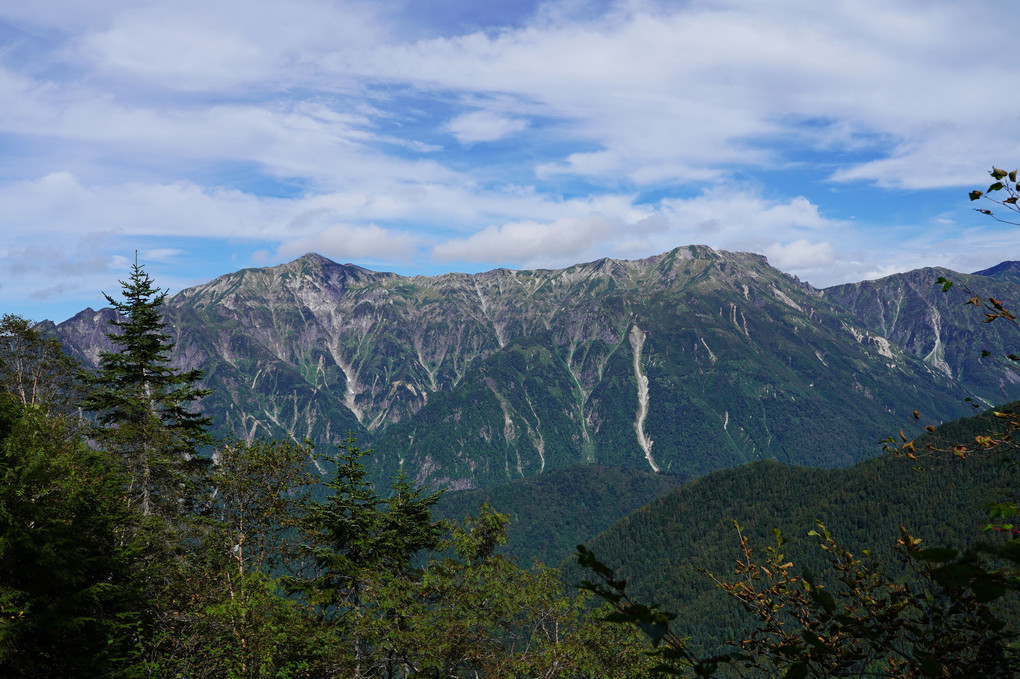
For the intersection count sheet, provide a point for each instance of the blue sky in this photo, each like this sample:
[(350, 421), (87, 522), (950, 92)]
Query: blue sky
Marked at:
[(839, 139)]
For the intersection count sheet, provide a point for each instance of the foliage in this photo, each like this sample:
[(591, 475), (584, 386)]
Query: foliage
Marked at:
[(409, 596), (142, 403), (356, 533), (67, 596), (36, 369), (489, 617), (867, 622), (863, 623), (553, 511), (227, 616), (258, 491), (663, 549), (673, 650), (1009, 187), (986, 581)]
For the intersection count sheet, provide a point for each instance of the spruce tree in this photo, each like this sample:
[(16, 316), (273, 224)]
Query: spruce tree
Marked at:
[(143, 405)]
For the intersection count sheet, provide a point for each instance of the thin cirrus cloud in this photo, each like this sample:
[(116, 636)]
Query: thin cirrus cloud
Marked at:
[(836, 138), (479, 126)]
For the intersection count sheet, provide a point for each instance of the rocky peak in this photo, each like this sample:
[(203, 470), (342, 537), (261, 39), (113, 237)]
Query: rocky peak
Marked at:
[(1006, 271)]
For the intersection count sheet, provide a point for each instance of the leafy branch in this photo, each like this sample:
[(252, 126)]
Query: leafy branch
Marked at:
[(672, 649), (1010, 187)]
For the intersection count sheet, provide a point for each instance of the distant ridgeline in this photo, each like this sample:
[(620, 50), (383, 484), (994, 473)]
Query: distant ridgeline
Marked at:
[(685, 362), (663, 548)]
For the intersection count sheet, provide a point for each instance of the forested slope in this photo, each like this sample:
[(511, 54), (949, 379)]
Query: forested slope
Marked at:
[(552, 512), (662, 548)]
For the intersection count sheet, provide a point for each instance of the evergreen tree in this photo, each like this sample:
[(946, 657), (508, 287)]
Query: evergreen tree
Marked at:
[(67, 598), (356, 535), (142, 404)]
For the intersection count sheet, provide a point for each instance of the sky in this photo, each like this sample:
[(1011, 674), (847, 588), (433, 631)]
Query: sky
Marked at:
[(839, 139)]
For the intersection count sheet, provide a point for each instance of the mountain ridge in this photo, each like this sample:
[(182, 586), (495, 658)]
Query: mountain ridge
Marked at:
[(1007, 270), (687, 361)]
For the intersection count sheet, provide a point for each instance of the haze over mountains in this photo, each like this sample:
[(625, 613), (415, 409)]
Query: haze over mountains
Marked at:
[(686, 362)]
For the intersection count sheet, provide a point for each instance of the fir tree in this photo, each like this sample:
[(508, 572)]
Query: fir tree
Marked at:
[(142, 404)]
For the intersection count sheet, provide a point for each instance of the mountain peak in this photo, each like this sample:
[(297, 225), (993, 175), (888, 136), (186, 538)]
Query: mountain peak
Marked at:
[(1004, 271), (313, 258)]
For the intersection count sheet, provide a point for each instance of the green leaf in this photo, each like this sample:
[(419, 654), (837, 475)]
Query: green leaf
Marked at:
[(931, 667), (937, 554), (944, 282), (814, 640), (957, 574), (654, 630), (974, 195), (997, 173), (997, 186), (986, 590), (824, 599), (798, 670)]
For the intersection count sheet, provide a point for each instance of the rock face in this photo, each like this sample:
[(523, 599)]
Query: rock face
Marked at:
[(940, 327), (686, 362)]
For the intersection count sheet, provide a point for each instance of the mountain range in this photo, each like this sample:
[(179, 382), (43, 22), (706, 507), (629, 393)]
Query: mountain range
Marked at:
[(685, 362)]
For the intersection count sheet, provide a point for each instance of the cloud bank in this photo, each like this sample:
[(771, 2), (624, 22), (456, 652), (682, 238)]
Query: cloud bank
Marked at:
[(838, 139)]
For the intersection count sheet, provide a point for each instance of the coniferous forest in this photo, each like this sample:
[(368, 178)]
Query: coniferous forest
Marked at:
[(132, 544)]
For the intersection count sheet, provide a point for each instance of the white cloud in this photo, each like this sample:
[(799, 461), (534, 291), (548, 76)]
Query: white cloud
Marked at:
[(478, 126), (346, 242), (160, 254), (321, 124), (677, 90), (655, 93), (744, 219), (60, 203), (201, 46), (178, 53), (800, 254), (529, 241)]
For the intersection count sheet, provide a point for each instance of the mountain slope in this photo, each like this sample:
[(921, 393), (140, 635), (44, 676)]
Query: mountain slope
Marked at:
[(685, 362), (1004, 271), (663, 549), (941, 328), (551, 513)]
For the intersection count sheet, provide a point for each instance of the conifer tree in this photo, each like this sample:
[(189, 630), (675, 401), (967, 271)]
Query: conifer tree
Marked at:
[(67, 596), (143, 404)]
